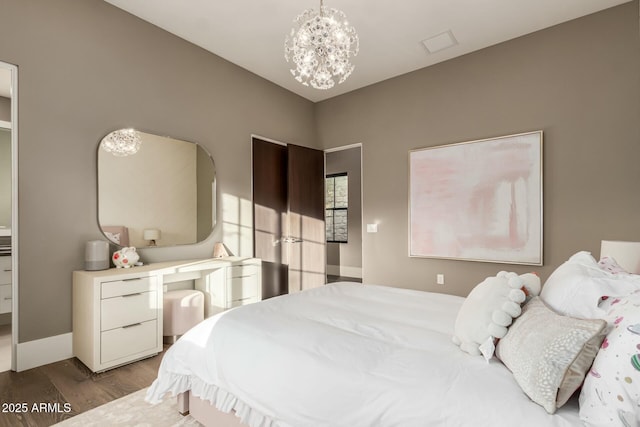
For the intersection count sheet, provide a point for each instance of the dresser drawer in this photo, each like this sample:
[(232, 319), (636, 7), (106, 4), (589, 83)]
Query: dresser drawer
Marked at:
[(5, 299), (242, 287), (5, 270), (128, 309), (128, 286), (242, 271), (127, 341)]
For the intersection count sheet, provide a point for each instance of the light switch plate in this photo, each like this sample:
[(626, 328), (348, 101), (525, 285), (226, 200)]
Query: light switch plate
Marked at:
[(372, 228)]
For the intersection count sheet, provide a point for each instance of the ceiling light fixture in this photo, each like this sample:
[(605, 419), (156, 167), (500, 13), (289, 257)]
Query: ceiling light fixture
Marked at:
[(320, 44), (122, 142)]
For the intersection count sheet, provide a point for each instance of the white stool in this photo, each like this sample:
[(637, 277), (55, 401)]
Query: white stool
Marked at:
[(183, 310)]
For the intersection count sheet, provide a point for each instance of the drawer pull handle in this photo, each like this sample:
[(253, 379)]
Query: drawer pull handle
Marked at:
[(131, 295), (132, 279), (131, 326), (242, 277), (244, 299), (6, 270), (7, 298)]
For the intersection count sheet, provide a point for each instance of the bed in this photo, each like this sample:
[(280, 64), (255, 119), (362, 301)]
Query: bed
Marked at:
[(345, 354)]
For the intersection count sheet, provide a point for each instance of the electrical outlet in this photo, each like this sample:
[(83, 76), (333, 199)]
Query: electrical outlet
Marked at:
[(440, 279)]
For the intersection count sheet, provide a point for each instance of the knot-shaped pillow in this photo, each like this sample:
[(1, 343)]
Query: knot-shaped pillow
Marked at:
[(489, 310)]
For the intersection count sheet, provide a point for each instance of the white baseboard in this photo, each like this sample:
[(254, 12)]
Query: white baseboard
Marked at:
[(32, 354), (345, 271)]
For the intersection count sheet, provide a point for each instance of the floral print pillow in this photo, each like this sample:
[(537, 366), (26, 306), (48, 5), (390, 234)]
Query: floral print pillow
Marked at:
[(611, 392)]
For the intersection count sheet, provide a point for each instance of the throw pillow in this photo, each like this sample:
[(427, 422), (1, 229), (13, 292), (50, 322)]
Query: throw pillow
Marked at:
[(489, 310), (576, 287), (550, 354), (611, 391)]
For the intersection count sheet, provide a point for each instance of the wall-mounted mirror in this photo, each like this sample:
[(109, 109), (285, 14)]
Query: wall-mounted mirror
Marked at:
[(154, 190)]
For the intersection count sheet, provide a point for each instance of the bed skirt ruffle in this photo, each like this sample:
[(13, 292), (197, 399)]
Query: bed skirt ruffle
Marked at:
[(221, 399)]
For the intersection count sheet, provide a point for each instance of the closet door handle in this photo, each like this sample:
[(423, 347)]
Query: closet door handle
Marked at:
[(291, 239)]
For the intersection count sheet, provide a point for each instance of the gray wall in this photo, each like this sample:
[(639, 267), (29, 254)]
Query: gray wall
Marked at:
[(348, 254), (87, 68), (579, 82), (5, 109)]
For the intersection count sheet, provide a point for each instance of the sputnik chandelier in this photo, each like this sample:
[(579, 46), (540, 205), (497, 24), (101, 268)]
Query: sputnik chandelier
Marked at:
[(320, 44), (123, 142)]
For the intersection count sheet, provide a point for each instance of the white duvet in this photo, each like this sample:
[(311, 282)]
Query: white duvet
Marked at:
[(347, 355)]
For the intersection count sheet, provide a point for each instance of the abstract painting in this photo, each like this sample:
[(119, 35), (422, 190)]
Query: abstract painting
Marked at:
[(478, 200)]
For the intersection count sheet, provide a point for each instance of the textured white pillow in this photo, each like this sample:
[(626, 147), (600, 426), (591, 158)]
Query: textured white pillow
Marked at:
[(549, 354), (575, 288), (489, 309), (611, 391)]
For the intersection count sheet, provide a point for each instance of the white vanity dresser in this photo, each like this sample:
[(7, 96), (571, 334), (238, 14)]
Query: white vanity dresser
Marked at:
[(117, 313)]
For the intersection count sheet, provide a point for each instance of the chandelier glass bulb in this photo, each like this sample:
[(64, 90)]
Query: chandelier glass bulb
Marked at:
[(320, 45), (123, 142)]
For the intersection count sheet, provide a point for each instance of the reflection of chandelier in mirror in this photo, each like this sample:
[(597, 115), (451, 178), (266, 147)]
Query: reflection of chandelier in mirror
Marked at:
[(320, 45), (122, 142)]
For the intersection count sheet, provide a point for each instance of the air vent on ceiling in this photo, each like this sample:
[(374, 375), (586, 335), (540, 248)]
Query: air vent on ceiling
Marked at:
[(440, 42)]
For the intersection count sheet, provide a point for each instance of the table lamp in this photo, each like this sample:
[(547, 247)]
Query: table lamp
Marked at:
[(151, 234)]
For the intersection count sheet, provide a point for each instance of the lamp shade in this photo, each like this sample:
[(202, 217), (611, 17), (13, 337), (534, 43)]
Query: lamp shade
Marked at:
[(151, 234), (626, 254), (219, 250)]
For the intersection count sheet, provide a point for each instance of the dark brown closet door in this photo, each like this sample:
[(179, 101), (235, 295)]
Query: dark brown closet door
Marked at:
[(288, 216), (306, 244), (269, 214)]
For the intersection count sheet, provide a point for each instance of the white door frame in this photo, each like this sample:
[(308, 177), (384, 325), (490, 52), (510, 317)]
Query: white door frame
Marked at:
[(13, 125)]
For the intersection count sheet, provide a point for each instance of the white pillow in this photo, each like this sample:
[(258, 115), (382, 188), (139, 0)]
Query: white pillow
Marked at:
[(489, 310), (575, 288), (611, 265), (611, 390)]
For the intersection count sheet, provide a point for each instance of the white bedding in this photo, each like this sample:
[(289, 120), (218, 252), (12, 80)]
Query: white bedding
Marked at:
[(347, 355)]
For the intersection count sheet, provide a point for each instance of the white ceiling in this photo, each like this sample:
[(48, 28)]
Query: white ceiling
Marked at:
[(250, 33)]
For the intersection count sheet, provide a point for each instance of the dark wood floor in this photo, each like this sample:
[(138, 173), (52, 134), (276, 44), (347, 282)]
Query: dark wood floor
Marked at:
[(68, 381)]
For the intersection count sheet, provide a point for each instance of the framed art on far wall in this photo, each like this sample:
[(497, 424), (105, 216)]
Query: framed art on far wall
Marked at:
[(478, 200)]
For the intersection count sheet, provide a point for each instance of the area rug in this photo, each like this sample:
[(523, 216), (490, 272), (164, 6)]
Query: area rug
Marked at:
[(132, 410)]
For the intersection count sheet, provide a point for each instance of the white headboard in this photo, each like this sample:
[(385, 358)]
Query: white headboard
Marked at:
[(626, 254)]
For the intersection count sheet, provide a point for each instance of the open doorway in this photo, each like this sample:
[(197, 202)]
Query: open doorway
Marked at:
[(343, 213)]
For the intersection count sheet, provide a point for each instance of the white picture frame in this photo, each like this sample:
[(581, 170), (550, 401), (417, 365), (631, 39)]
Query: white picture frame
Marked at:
[(478, 200)]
